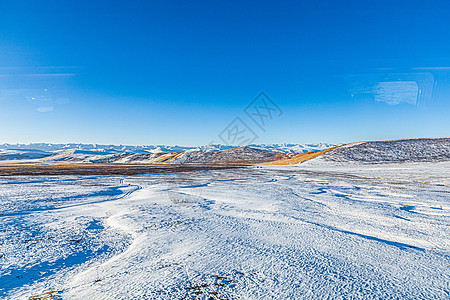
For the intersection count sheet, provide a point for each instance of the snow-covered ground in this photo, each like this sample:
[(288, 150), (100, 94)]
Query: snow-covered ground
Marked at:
[(353, 232)]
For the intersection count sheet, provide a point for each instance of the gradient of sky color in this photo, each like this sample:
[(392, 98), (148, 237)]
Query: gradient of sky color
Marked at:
[(178, 72)]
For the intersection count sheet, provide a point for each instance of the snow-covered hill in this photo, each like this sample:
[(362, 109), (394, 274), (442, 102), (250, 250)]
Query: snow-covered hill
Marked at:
[(393, 151)]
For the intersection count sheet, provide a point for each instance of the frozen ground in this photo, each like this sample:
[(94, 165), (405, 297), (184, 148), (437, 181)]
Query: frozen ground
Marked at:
[(377, 231)]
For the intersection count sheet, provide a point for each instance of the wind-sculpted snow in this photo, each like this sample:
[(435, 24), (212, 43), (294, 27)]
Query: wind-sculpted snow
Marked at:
[(371, 232), (395, 151)]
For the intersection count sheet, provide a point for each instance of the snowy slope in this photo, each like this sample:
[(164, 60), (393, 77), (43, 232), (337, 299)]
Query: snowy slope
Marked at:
[(394, 151)]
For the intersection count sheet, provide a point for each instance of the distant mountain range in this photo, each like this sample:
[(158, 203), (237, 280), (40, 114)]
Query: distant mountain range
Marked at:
[(239, 155), (48, 147), (372, 152), (80, 152)]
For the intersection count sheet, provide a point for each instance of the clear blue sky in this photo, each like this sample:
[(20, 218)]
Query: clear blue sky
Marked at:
[(178, 72)]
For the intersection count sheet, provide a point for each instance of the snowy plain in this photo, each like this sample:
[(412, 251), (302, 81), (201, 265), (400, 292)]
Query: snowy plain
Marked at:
[(264, 232)]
